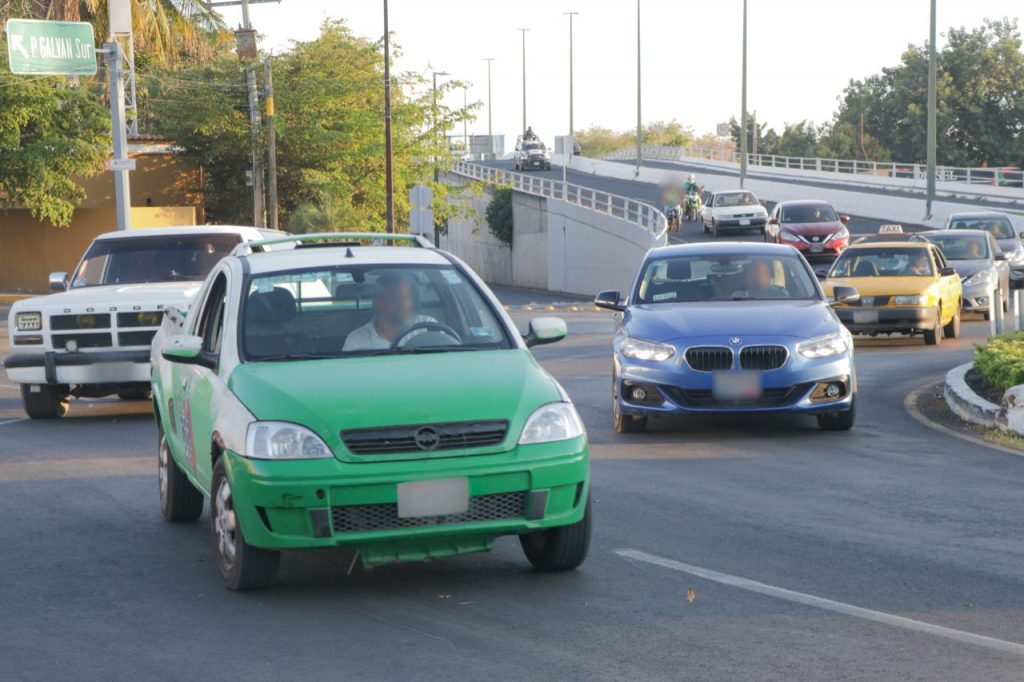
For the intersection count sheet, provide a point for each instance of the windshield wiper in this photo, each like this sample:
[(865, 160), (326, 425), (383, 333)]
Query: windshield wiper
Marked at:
[(293, 356)]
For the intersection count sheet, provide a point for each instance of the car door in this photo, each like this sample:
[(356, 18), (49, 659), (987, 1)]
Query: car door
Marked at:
[(948, 295), (705, 213), (199, 383)]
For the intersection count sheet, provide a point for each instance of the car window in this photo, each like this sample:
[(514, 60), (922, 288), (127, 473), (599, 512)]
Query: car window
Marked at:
[(735, 199), (725, 277), (1000, 228), (211, 320), (137, 260), (813, 213), (358, 310), (962, 246), (884, 261)]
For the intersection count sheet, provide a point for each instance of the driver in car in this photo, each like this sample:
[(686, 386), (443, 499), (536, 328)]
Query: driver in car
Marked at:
[(758, 275), (394, 311)]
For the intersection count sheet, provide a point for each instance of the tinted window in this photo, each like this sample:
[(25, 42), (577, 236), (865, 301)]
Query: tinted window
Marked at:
[(725, 278), (817, 213), (736, 199), (1000, 228), (961, 246), (134, 260), (884, 261)]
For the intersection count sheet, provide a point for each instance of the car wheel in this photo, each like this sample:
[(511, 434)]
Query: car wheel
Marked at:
[(933, 337), (952, 328), (839, 421), (987, 315), (179, 499), (242, 566), (562, 548), (44, 401)]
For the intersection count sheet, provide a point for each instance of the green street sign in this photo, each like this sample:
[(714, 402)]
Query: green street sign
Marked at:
[(51, 48)]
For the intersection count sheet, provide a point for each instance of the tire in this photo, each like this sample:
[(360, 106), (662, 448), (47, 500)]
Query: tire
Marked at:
[(180, 501), (562, 548), (242, 566), (839, 421), (135, 394), (933, 337), (627, 423), (952, 328), (46, 402), (987, 315)]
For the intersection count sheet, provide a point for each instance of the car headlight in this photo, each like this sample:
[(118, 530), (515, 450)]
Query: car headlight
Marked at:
[(922, 300), (843, 233), (282, 440), (550, 423), (786, 234), (983, 277), (28, 322), (824, 346), (638, 349)]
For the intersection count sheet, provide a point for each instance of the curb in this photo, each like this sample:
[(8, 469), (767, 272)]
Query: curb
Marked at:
[(964, 402)]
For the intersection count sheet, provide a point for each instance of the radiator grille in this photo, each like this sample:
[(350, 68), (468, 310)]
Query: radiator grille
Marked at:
[(709, 358), (424, 437), (371, 517), (764, 358)]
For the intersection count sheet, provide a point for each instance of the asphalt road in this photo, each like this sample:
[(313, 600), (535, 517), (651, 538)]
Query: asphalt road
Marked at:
[(890, 552)]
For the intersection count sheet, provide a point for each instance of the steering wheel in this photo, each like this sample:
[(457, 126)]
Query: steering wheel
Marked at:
[(426, 326)]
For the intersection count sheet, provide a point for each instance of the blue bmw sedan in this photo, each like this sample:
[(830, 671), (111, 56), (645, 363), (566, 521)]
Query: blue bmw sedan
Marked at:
[(730, 328)]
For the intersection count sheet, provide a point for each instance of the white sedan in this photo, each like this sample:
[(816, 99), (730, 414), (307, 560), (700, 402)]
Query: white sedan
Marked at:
[(736, 209)]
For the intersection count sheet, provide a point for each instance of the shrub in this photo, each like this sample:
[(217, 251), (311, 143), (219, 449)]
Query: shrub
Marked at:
[(1001, 360), (499, 215)]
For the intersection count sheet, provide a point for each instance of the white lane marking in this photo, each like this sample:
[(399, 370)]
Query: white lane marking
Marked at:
[(825, 604), (13, 421)]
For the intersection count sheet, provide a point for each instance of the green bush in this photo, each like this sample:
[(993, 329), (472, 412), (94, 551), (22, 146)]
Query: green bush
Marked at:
[(499, 215), (1001, 360)]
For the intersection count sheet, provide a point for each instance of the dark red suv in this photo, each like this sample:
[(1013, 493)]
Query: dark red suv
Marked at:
[(813, 227)]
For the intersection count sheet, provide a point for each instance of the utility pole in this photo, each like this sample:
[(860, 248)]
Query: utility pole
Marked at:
[(268, 81), (114, 58), (465, 124), (490, 136), (753, 136), (389, 180), (248, 58), (931, 118), (437, 137), (570, 15), (639, 119), (524, 30), (743, 105)]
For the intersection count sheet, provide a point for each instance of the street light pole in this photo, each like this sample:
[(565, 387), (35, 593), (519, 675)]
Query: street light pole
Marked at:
[(639, 119), (524, 30), (465, 124), (570, 15), (258, 211), (743, 105), (490, 136), (930, 180), (389, 178), (437, 139)]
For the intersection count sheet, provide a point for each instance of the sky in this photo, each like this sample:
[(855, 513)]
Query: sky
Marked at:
[(801, 53)]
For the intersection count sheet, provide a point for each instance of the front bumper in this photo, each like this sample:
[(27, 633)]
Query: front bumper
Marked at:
[(755, 223), (815, 250), (100, 367), (534, 163), (327, 503), (977, 298), (887, 320)]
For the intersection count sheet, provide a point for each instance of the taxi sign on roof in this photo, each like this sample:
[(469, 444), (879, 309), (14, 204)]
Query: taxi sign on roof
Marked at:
[(891, 228)]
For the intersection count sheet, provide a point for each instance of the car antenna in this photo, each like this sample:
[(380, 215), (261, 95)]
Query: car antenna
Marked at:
[(348, 253)]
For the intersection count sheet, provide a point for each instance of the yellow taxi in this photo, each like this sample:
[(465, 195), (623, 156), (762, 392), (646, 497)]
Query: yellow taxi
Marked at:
[(905, 286)]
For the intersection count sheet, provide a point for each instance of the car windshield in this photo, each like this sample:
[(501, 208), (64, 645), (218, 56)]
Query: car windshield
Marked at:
[(136, 260), (1000, 228), (961, 246), (735, 199), (366, 310), (726, 277), (814, 213), (884, 261), (533, 146)]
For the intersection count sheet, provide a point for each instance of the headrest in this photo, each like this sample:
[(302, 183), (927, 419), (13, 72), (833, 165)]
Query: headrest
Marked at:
[(679, 269), (276, 306)]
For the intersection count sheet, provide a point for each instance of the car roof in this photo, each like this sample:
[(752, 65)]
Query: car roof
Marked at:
[(733, 191), (862, 246), (969, 215), (959, 233), (805, 202), (181, 230), (721, 248), (328, 256)]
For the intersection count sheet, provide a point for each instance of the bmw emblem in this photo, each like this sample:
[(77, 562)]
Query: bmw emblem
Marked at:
[(735, 340), (427, 438)]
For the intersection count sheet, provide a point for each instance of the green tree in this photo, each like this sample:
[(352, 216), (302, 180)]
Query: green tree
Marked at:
[(596, 141), (799, 139), (499, 215)]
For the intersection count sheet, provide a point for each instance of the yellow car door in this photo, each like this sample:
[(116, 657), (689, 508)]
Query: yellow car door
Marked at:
[(949, 287)]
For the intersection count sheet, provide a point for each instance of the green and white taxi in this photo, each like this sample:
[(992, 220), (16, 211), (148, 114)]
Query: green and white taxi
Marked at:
[(365, 391)]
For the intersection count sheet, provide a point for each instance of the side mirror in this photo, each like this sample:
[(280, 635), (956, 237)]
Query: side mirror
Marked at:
[(58, 281), (544, 330), (947, 272), (821, 273), (1001, 256), (187, 350), (844, 218), (842, 294), (609, 300)]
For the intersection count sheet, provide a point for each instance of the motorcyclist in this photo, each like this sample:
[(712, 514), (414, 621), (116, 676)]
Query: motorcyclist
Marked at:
[(692, 190), (691, 185)]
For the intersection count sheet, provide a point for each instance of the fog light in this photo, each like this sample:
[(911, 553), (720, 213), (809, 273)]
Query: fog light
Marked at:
[(834, 390), (982, 300), (638, 394)]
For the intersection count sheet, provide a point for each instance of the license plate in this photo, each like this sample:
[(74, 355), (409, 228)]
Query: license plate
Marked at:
[(440, 497), (816, 248), (865, 316), (744, 222), (736, 385)]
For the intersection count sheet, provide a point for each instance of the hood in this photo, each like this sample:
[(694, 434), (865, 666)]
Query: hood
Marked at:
[(812, 229), (334, 394), (671, 321), (969, 268), (882, 286), (1010, 245), (149, 295)]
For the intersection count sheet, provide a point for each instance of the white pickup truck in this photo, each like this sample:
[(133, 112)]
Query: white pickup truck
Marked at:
[(91, 338)]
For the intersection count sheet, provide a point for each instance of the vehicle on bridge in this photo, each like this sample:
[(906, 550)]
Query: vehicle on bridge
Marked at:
[(531, 152), (906, 287), (1009, 238), (814, 228), (91, 338), (330, 390), (733, 210), (729, 327), (982, 266)]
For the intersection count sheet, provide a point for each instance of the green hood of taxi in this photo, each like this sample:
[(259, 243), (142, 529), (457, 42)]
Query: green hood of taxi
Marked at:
[(334, 394)]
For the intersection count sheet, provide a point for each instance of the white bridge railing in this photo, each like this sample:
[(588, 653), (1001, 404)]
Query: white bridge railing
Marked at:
[(991, 177), (641, 214)]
